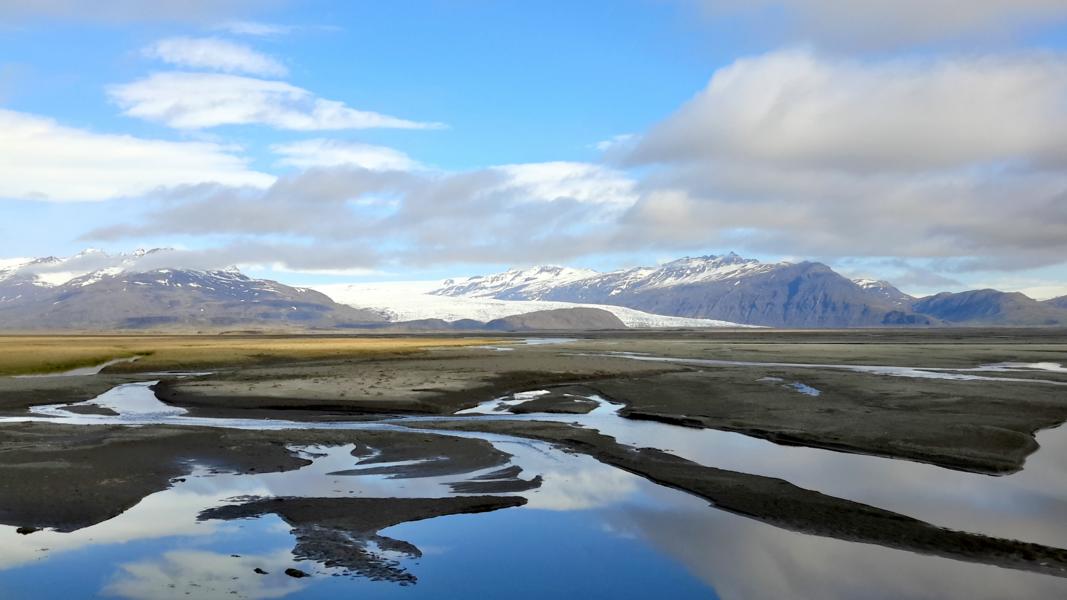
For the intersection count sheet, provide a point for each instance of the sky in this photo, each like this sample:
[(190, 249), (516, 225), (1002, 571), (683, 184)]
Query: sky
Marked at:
[(321, 142)]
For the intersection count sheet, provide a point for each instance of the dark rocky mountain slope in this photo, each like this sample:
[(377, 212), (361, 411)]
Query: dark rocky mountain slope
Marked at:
[(991, 307), (728, 288), (167, 298)]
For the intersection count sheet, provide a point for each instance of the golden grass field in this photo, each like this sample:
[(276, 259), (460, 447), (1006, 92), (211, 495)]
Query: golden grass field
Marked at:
[(28, 354)]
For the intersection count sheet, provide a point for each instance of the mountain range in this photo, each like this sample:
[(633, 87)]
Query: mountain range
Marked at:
[(747, 291), (97, 291), (45, 293)]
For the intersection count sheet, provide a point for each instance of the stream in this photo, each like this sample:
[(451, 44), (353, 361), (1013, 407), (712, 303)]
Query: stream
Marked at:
[(589, 530)]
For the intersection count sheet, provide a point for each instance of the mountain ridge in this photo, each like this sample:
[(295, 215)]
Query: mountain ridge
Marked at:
[(784, 294), (727, 287), (38, 295), (94, 290), (992, 307)]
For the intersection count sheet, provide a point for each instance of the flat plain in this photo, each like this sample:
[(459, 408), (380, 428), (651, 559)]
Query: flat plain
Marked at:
[(969, 402)]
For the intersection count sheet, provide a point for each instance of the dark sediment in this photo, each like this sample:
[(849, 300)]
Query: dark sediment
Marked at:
[(68, 477), (568, 400), (90, 409), (979, 426), (343, 532), (502, 486)]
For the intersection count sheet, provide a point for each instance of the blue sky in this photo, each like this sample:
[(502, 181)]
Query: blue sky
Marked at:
[(332, 141)]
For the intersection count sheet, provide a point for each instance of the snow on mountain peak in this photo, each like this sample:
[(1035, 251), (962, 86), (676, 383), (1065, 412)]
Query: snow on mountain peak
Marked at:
[(84, 268), (537, 283), (530, 280), (872, 284)]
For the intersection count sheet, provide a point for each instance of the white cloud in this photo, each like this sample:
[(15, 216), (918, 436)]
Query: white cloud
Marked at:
[(583, 182), (872, 24), (616, 141), (41, 159), (514, 213), (329, 153), (202, 100), (254, 28), (179, 573), (796, 108), (216, 54), (960, 160)]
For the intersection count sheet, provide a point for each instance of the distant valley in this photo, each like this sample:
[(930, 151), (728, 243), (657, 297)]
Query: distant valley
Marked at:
[(98, 291)]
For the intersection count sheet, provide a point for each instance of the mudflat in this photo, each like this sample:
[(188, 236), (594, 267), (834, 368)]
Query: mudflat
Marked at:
[(970, 401), (984, 425), (68, 477)]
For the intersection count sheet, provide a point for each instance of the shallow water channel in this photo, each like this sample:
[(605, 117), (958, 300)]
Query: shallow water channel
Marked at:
[(589, 530)]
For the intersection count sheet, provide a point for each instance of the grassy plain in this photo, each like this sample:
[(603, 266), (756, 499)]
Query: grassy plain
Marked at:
[(31, 354)]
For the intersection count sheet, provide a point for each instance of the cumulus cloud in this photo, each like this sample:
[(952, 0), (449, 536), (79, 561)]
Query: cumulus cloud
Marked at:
[(412, 217), (954, 162), (960, 160), (583, 182), (962, 220), (875, 24), (797, 109), (216, 54), (186, 100), (316, 204), (999, 220), (41, 159), (321, 152)]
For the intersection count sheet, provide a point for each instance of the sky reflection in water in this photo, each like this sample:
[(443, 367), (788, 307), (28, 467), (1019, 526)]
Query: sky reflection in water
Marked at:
[(590, 530)]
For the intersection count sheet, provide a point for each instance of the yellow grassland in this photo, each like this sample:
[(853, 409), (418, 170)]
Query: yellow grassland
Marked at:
[(27, 354)]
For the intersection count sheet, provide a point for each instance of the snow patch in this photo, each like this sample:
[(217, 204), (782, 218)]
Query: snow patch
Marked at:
[(413, 300)]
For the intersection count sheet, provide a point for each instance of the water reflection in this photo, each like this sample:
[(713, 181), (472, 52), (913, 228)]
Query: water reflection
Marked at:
[(586, 517), (640, 532), (1030, 505), (205, 574), (742, 558)]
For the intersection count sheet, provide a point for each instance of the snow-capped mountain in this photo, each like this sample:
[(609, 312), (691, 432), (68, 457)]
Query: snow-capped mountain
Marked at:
[(727, 288), (509, 285), (885, 290), (95, 290), (52, 271), (538, 283), (412, 301)]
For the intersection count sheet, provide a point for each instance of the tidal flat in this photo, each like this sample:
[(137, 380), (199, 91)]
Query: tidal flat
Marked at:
[(732, 464)]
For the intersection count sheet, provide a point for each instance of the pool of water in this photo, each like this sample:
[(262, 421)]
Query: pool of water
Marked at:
[(892, 371)]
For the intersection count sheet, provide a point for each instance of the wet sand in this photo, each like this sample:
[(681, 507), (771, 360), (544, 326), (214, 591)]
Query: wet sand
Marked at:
[(440, 383), (344, 532), (984, 427), (978, 426), (17, 393), (68, 477)]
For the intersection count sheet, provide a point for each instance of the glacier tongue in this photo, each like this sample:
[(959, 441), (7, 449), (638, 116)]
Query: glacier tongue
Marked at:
[(415, 300)]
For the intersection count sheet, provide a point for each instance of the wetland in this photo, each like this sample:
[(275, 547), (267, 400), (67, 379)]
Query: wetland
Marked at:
[(732, 464)]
